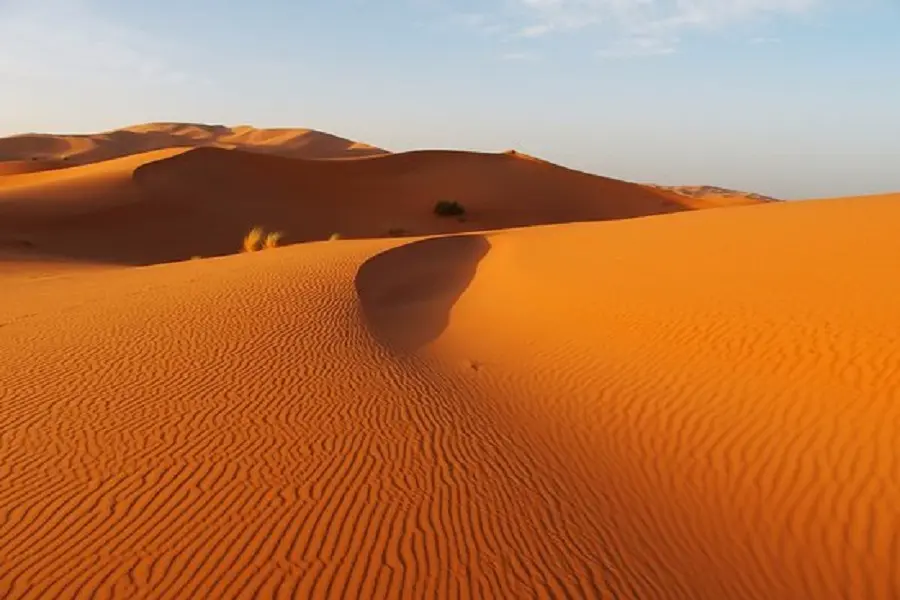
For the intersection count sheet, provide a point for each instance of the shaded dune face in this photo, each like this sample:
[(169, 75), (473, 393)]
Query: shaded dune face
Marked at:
[(406, 294), (174, 204)]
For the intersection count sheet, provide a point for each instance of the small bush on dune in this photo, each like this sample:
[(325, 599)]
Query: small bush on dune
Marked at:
[(448, 208), (253, 239), (272, 240), (334, 236)]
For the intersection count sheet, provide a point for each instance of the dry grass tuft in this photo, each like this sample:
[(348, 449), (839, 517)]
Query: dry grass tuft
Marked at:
[(252, 239), (272, 240), (334, 236)]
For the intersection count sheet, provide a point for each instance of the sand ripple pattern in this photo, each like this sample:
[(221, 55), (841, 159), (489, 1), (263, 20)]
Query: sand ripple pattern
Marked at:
[(673, 407), (229, 428), (733, 379)]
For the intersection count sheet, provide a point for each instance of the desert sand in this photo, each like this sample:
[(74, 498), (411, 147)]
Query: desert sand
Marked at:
[(684, 404)]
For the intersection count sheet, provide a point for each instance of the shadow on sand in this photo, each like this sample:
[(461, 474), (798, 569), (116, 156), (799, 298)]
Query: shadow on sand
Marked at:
[(407, 293)]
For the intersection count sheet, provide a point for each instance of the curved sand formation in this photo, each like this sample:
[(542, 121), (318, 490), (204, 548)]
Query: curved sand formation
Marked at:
[(83, 149), (173, 204), (698, 405)]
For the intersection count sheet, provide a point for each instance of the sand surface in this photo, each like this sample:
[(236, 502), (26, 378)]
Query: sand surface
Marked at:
[(692, 405)]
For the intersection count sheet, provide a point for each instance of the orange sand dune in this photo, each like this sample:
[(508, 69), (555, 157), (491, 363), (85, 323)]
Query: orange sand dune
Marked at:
[(173, 204), (699, 405), (82, 149)]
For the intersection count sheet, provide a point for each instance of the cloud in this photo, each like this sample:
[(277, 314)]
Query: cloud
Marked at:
[(763, 40), (654, 13), (630, 27), (518, 56), (638, 46), (60, 41)]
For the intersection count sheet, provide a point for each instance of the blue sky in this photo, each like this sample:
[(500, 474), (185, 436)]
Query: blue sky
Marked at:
[(792, 98)]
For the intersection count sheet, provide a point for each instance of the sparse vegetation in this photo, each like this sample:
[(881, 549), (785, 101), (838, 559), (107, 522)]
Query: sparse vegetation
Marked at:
[(257, 239), (449, 208), (272, 240), (334, 236), (252, 239)]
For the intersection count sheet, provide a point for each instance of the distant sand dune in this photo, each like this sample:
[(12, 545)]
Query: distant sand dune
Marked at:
[(174, 203), (83, 149), (699, 405), (703, 194)]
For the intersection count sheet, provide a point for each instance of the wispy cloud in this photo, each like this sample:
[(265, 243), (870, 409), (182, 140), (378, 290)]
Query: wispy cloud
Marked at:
[(763, 40), (632, 27), (519, 56), (638, 46), (68, 40)]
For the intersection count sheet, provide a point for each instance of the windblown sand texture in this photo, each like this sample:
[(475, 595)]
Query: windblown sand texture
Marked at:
[(693, 405)]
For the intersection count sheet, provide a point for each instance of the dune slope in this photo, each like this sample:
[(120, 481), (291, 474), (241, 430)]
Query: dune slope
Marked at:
[(700, 405), (174, 204)]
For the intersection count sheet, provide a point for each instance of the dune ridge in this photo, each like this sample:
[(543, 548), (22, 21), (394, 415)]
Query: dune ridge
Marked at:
[(693, 405), (39, 152)]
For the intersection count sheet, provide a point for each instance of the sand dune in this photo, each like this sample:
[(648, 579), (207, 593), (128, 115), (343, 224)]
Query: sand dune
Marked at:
[(83, 149), (173, 204), (696, 405), (704, 194)]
